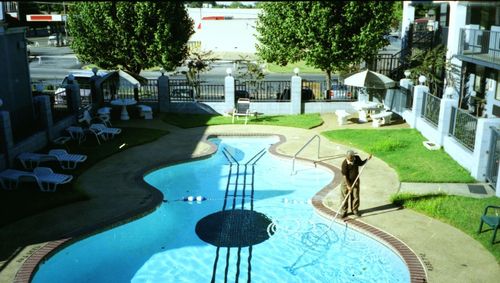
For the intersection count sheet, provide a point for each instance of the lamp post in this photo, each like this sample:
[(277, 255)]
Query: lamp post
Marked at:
[(407, 74), (422, 79), (296, 71), (229, 71)]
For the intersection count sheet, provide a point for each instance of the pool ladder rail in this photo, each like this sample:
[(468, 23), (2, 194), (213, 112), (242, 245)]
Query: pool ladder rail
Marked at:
[(302, 148)]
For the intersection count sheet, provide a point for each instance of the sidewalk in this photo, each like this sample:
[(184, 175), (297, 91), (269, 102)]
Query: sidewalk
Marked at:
[(448, 254)]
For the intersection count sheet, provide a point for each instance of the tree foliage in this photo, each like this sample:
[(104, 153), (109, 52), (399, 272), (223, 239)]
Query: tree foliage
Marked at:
[(429, 63), (330, 36), (130, 35)]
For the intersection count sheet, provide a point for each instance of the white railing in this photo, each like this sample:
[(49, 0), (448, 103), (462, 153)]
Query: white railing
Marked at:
[(302, 148)]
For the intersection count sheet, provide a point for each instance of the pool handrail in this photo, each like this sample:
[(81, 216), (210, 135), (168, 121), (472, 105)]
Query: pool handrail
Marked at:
[(302, 148)]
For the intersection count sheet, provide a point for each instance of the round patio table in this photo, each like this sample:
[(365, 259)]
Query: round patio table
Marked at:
[(124, 102)]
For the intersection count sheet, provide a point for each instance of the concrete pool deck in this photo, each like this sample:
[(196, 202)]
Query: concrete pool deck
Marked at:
[(448, 254)]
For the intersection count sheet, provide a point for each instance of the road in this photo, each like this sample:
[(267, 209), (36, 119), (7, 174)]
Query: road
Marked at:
[(52, 64)]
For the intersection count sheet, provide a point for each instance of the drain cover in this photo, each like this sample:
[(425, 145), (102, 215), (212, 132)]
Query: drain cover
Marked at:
[(234, 228), (477, 189)]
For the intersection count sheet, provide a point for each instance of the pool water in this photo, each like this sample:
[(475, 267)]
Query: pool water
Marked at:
[(253, 223)]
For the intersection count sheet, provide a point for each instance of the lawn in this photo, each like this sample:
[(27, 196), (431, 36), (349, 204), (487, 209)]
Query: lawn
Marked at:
[(304, 121), (461, 212), (28, 200), (288, 69), (403, 150)]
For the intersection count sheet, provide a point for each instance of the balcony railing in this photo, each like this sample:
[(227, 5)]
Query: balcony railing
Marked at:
[(482, 45)]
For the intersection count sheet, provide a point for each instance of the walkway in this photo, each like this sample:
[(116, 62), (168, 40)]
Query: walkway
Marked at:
[(449, 254)]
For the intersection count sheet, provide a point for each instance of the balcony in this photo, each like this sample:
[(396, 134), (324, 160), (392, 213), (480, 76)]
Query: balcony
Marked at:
[(480, 47)]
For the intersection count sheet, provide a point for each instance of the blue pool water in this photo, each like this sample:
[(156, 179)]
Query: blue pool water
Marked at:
[(265, 232)]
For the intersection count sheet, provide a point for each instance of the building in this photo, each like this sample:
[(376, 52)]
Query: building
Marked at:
[(472, 77)]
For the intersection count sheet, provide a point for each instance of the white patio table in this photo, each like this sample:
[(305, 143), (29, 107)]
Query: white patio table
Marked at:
[(364, 107), (124, 102)]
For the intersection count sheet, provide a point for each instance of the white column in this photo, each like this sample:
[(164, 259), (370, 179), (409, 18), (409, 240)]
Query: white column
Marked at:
[(449, 100), (418, 98), (458, 14), (497, 189), (482, 146), (408, 16), (296, 94), (163, 92), (229, 90)]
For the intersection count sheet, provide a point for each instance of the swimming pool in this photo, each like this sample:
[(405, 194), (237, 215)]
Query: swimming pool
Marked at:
[(265, 232)]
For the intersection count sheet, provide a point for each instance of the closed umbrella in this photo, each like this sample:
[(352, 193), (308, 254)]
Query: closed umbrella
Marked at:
[(369, 79)]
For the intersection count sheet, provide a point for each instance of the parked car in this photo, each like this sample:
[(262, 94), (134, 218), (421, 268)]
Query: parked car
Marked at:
[(339, 91)]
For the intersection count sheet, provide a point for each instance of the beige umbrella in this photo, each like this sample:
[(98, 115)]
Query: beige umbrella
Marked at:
[(369, 79)]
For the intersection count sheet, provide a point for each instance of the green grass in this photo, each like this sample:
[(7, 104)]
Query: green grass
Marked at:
[(288, 69), (403, 150), (461, 212), (304, 121), (27, 199)]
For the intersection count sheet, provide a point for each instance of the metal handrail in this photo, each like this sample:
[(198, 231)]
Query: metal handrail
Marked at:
[(302, 148)]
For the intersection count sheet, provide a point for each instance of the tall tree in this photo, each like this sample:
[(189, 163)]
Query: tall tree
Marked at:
[(331, 36), (130, 35)]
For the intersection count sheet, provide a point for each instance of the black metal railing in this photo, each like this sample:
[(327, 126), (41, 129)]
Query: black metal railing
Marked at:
[(263, 90), (463, 127), (144, 93), (183, 91), (431, 108)]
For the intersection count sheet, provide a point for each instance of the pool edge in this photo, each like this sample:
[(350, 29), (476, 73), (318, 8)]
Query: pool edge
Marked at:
[(412, 261)]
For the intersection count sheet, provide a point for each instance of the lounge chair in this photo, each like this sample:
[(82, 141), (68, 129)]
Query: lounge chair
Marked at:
[(67, 160), (491, 219), (107, 132), (48, 180), (45, 178), (30, 160), (10, 178), (242, 109)]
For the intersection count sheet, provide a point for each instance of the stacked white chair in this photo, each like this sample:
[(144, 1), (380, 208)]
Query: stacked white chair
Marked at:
[(104, 114)]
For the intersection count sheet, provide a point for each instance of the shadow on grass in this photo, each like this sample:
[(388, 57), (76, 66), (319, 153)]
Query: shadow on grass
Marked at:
[(401, 198)]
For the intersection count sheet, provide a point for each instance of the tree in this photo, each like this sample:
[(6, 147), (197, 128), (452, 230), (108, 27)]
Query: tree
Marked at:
[(330, 36), (431, 64), (130, 35), (199, 62)]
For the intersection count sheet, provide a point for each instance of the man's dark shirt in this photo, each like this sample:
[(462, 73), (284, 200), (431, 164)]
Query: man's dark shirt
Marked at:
[(351, 170)]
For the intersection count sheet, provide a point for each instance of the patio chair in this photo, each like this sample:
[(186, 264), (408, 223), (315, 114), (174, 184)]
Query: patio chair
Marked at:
[(242, 109), (79, 134), (107, 133), (492, 219), (67, 160), (342, 116), (48, 180), (104, 114)]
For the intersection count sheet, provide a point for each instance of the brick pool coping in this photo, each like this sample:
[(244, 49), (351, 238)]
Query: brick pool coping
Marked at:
[(415, 266)]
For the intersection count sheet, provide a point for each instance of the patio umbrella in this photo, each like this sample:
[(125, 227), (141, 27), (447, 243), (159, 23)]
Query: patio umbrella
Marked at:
[(369, 79), (133, 79)]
